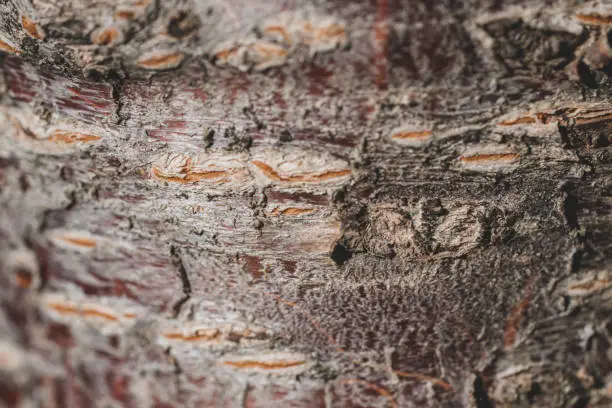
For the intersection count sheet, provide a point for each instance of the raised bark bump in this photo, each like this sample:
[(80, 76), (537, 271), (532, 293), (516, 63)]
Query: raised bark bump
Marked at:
[(125, 14), (69, 137), (525, 120), (82, 242), (594, 18), (85, 312), (191, 177), (264, 365), (215, 336), (272, 174), (186, 169), (199, 335), (161, 60), (507, 158), (410, 135), (588, 287), (6, 47), (276, 29), (423, 134), (107, 36), (32, 28)]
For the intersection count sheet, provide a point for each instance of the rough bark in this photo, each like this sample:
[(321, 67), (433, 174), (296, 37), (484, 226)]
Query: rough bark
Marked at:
[(307, 204)]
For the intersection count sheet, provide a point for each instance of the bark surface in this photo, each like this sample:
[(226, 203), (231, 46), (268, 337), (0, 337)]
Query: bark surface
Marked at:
[(321, 203)]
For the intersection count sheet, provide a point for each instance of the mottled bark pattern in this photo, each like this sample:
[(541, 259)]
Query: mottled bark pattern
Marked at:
[(251, 203)]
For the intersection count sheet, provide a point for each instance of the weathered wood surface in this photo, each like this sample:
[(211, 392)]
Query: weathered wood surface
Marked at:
[(306, 204)]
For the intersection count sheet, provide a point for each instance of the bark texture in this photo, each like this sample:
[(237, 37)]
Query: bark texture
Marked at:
[(265, 203)]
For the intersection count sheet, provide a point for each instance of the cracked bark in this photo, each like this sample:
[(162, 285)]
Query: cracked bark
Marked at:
[(307, 204), (174, 252)]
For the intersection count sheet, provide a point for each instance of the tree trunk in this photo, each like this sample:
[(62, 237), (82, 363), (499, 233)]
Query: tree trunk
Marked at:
[(265, 203)]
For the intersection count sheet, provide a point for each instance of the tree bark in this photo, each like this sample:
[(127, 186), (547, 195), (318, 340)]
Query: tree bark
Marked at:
[(310, 204)]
